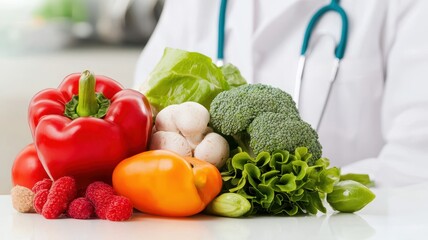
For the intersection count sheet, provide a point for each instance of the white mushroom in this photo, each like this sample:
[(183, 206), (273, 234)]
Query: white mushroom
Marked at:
[(165, 119), (191, 118), (184, 129), (171, 141), (196, 139), (214, 149)]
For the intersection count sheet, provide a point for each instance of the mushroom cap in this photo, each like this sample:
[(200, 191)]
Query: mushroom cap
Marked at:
[(171, 141), (191, 119), (196, 139), (165, 119), (213, 149)]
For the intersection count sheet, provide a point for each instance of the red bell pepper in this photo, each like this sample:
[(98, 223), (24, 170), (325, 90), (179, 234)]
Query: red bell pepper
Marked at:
[(87, 126)]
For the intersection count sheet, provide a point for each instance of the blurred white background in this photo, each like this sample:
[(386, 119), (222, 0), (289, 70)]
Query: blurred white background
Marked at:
[(43, 41)]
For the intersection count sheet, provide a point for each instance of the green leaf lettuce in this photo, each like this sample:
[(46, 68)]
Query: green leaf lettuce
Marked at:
[(182, 76)]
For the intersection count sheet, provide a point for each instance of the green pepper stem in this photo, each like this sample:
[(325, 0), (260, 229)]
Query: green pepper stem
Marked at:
[(87, 104)]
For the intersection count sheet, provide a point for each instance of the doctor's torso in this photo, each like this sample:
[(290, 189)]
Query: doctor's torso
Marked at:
[(264, 38)]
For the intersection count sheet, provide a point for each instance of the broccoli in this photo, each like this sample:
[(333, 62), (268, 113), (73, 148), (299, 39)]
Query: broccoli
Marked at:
[(272, 131), (262, 118), (232, 111)]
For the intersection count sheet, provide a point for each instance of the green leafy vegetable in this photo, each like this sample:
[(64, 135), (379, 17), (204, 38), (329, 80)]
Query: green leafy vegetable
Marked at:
[(183, 76), (280, 183), (233, 75)]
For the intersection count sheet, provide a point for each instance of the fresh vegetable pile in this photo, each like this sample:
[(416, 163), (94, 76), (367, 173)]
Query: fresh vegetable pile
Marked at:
[(197, 138)]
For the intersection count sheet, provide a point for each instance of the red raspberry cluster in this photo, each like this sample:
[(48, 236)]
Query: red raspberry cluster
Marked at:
[(60, 198), (108, 205)]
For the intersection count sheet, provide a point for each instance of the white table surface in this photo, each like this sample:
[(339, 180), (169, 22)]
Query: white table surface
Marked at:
[(395, 214)]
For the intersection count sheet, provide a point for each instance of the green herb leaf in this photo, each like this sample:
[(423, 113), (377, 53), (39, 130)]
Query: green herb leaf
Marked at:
[(328, 178), (287, 183), (252, 173), (262, 159), (240, 159), (268, 195), (268, 175), (299, 168)]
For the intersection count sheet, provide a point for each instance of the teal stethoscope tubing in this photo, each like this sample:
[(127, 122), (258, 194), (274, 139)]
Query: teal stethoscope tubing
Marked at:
[(339, 51), (221, 23), (335, 7)]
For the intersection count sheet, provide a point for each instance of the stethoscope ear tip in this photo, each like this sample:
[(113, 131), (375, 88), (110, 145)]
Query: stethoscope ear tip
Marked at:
[(219, 62)]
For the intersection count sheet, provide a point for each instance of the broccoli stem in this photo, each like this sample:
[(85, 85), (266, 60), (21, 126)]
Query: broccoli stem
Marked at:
[(242, 139)]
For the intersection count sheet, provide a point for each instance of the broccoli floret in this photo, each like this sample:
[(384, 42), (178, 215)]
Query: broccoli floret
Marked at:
[(262, 118), (232, 111), (276, 131)]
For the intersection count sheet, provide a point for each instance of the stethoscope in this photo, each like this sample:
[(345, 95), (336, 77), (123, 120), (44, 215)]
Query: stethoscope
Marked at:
[(339, 51)]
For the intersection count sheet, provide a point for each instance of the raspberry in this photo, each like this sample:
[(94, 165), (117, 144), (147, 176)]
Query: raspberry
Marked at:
[(107, 204), (81, 192), (80, 208), (42, 184), (40, 199), (62, 192), (100, 194), (120, 209)]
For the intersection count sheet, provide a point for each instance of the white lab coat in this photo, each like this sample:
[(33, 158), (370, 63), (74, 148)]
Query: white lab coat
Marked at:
[(377, 118)]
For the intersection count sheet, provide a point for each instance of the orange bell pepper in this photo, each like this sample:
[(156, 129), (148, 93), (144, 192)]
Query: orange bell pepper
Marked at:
[(163, 183)]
